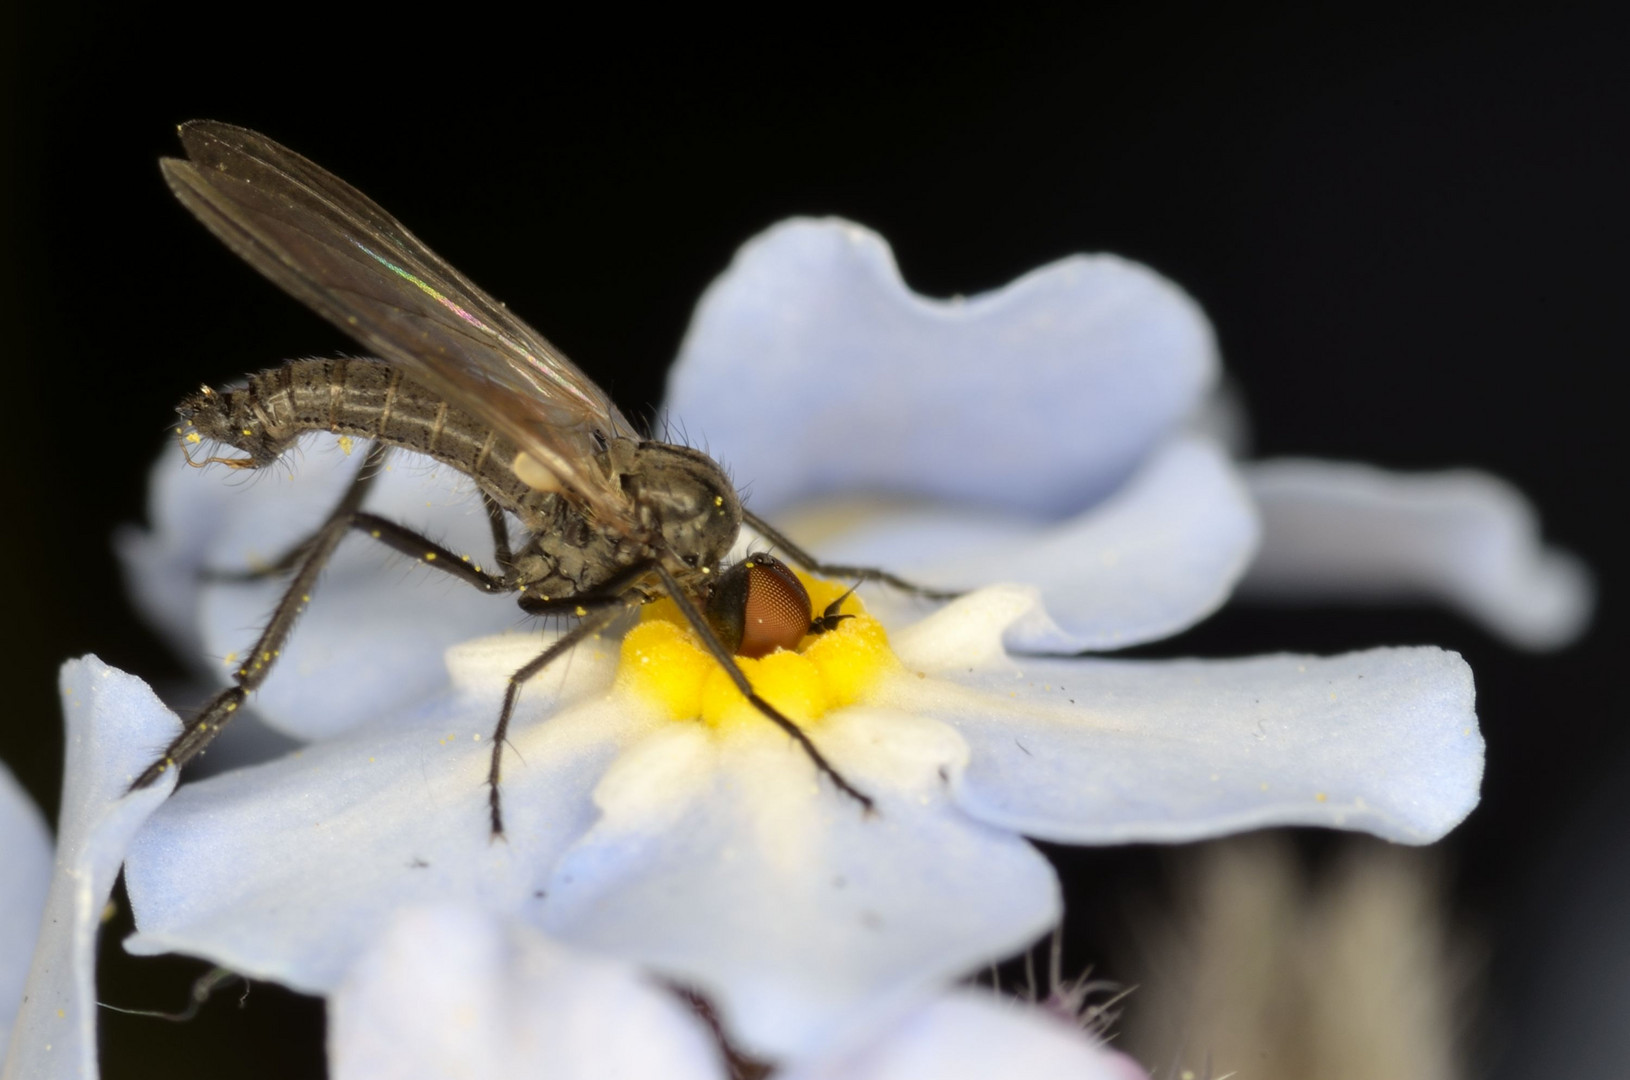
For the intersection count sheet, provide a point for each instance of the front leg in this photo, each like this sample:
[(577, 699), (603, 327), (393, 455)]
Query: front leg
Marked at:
[(835, 570)]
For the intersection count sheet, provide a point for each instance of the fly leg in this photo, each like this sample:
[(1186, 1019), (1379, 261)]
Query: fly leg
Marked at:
[(711, 641), (815, 566), (350, 502), (203, 728), (500, 533), (594, 613)]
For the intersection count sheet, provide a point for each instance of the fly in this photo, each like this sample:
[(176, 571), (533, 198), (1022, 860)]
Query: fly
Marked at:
[(611, 520)]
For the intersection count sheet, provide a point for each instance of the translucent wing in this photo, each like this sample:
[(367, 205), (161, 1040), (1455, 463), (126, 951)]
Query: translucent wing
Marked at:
[(337, 251)]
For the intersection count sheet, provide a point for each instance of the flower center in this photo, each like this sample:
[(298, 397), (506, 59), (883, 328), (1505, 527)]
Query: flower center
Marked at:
[(664, 662)]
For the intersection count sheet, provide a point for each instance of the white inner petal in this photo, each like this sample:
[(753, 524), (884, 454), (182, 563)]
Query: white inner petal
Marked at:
[(800, 916), (1161, 554), (1040, 396)]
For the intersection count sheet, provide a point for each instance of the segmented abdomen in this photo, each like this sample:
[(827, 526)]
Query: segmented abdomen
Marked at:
[(367, 399)]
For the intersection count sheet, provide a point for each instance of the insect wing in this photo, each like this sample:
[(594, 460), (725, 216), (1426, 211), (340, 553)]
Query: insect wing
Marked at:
[(341, 254)]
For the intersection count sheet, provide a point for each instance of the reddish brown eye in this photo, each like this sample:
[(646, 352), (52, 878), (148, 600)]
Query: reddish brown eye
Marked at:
[(759, 606), (777, 612)]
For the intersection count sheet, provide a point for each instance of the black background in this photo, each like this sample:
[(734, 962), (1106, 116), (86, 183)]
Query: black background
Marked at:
[(1410, 231)]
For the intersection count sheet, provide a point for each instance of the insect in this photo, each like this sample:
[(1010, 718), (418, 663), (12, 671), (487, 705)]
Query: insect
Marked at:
[(611, 520)]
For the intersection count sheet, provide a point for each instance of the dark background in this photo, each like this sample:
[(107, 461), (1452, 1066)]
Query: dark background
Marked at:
[(1410, 231)]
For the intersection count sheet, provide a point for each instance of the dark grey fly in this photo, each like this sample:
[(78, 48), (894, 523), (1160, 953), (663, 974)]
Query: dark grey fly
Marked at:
[(612, 520)]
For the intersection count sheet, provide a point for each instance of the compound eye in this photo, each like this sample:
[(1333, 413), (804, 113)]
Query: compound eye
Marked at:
[(776, 612)]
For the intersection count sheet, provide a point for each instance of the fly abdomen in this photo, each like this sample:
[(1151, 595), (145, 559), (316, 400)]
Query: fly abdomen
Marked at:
[(367, 399)]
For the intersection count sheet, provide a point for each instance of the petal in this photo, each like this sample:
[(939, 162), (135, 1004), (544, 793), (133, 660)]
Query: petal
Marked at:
[(115, 725), (285, 870), (1342, 531), (25, 852), (372, 640), (1103, 751), (1041, 396), (724, 863), (976, 1035), (451, 992), (1156, 557)]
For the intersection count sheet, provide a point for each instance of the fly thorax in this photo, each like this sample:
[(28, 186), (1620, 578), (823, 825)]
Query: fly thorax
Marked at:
[(682, 496)]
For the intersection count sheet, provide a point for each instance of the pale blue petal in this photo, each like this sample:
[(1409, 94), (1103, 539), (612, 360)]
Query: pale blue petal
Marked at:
[(1102, 751), (974, 1035), (1159, 555), (726, 864), (283, 870), (1342, 531), (451, 992), (115, 728), (811, 369), (371, 642), (25, 852)]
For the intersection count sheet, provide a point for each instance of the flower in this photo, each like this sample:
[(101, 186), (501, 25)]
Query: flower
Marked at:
[(717, 858), (522, 1005), (1059, 431)]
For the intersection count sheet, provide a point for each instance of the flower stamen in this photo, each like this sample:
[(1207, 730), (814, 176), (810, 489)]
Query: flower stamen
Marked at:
[(663, 661)]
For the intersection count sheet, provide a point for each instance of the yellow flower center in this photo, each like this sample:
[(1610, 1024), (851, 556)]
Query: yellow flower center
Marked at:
[(664, 662)]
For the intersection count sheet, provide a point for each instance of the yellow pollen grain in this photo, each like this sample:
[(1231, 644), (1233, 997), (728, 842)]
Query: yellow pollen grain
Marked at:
[(194, 438), (663, 661), (346, 444)]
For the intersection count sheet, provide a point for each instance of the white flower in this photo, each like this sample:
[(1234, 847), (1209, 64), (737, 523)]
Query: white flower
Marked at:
[(715, 856), (447, 991)]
